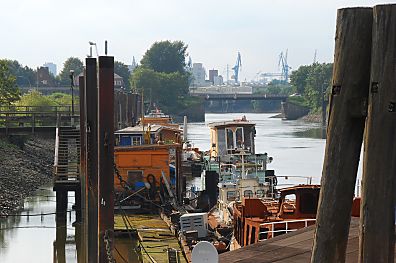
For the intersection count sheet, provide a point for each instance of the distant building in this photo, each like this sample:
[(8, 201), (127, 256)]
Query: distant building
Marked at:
[(51, 67), (199, 75), (133, 66), (212, 74), (218, 80), (44, 78)]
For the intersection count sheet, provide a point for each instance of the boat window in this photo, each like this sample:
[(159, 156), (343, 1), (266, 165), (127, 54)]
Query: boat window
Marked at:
[(231, 195), (308, 203), (136, 140), (229, 139), (248, 193), (239, 138), (263, 235), (260, 193)]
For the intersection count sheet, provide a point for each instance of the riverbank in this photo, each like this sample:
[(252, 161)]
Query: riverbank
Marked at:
[(23, 170), (312, 117)]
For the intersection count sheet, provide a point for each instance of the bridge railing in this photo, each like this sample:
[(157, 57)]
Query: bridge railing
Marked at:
[(36, 116)]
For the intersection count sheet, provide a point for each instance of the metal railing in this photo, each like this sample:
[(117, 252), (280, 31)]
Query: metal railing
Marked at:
[(284, 226)]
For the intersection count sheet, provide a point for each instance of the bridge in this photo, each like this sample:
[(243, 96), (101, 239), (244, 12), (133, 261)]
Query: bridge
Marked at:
[(241, 97), (36, 119)]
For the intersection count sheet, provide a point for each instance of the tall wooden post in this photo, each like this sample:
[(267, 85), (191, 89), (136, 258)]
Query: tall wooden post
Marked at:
[(83, 229), (91, 186), (106, 157), (348, 105), (377, 233)]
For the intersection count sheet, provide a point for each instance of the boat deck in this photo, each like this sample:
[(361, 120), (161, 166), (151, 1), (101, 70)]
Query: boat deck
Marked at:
[(292, 247), (154, 235)]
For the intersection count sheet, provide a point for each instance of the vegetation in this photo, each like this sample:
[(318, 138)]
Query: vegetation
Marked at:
[(9, 92), (312, 82), (36, 99), (71, 63), (162, 76), (275, 87), (122, 70)]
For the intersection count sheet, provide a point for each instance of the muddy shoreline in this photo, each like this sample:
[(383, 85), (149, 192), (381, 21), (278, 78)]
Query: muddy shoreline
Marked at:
[(25, 165)]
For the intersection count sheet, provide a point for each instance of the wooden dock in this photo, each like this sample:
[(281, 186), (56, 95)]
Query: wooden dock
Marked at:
[(157, 242), (292, 247)]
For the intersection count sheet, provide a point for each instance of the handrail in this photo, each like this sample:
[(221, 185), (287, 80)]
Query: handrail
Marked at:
[(286, 223)]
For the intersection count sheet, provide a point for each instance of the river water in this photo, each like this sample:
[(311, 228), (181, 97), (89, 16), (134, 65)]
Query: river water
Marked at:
[(296, 146)]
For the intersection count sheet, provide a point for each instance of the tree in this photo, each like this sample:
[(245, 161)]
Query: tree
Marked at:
[(122, 70), (71, 63), (35, 98), (309, 81), (9, 92), (166, 56), (25, 76)]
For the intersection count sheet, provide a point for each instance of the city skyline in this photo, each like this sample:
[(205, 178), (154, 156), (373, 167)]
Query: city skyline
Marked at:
[(39, 31)]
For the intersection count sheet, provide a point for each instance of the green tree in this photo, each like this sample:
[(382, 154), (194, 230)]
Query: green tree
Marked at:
[(122, 70), (166, 56), (309, 81), (71, 63), (9, 92), (35, 98), (25, 76)]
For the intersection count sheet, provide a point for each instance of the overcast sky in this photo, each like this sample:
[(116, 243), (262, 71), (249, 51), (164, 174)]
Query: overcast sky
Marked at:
[(38, 31)]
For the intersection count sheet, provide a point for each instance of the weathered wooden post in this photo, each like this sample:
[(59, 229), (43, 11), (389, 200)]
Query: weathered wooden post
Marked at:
[(83, 228), (106, 157), (377, 232), (348, 105), (91, 185)]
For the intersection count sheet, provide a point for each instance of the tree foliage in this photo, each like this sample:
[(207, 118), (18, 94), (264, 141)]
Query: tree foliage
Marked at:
[(35, 98), (162, 76), (24, 76), (122, 70), (166, 56), (71, 63), (8, 89), (312, 82)]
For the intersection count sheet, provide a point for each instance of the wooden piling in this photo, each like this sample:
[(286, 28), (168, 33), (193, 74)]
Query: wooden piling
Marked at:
[(91, 185), (106, 157), (377, 230), (347, 112)]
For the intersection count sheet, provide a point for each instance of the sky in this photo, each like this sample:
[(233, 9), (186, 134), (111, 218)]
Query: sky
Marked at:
[(38, 31)]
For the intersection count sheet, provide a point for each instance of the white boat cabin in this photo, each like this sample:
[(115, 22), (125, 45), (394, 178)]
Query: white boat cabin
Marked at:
[(230, 137)]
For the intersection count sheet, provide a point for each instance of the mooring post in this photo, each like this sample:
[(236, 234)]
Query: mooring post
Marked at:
[(377, 232), (91, 184), (82, 206), (348, 106), (106, 157)]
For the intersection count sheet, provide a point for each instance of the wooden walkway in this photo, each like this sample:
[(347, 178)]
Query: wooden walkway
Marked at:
[(155, 237), (293, 247)]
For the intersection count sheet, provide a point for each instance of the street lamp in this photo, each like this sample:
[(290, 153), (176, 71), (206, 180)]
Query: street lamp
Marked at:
[(72, 93), (96, 48)]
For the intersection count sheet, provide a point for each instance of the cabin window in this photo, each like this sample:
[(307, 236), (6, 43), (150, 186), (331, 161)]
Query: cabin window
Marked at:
[(231, 195), (308, 203), (136, 140), (288, 204), (263, 235), (248, 193), (239, 138), (260, 193), (229, 139)]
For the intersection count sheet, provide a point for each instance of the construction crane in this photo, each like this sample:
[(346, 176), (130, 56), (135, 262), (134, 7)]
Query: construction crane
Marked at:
[(284, 66), (237, 68)]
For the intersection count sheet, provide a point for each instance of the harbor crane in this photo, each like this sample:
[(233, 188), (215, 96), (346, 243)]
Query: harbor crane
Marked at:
[(284, 66), (237, 68)]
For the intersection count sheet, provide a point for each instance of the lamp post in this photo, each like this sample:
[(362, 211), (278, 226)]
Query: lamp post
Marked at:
[(96, 48), (72, 93)]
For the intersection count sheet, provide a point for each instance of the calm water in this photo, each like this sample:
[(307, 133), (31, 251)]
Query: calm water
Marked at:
[(292, 144)]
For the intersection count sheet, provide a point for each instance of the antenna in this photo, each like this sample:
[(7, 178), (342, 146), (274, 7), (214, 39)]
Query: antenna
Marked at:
[(204, 252)]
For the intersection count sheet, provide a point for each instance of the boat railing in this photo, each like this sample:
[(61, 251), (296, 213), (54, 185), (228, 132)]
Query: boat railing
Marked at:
[(284, 226)]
